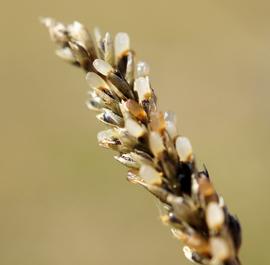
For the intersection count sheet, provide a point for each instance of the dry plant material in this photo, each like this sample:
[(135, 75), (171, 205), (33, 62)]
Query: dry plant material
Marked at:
[(147, 142)]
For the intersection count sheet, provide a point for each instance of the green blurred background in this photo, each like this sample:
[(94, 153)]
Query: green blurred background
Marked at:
[(63, 200)]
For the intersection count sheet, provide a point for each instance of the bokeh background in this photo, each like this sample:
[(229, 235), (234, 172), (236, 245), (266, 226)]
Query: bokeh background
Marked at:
[(63, 200)]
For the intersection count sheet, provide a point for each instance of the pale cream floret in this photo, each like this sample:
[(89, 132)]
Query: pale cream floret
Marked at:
[(142, 86), (219, 249), (121, 44), (65, 54), (102, 67), (184, 148), (171, 129), (134, 128), (95, 81), (188, 253), (214, 216), (156, 143), (150, 175), (142, 69)]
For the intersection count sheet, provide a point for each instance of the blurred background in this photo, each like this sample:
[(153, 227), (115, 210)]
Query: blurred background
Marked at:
[(64, 200)]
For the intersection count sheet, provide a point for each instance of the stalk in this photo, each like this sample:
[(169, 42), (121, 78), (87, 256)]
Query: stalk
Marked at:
[(147, 142)]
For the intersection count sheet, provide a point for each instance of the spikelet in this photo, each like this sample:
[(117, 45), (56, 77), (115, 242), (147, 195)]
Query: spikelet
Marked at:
[(148, 143)]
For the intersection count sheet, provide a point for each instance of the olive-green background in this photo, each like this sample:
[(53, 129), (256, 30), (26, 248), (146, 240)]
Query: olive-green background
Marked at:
[(64, 200)]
